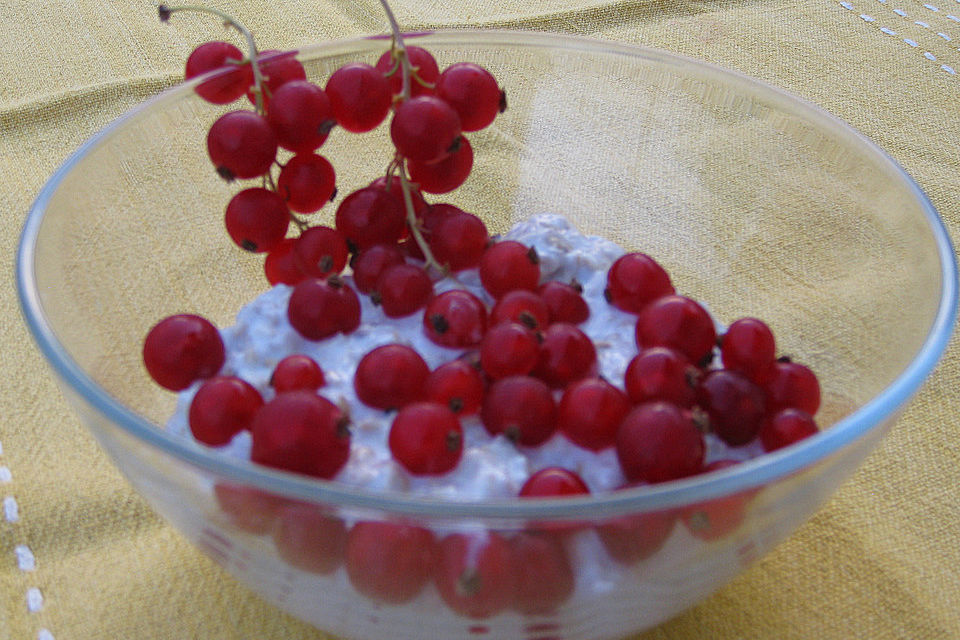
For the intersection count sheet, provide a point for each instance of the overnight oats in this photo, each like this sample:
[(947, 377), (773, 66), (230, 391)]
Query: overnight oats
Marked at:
[(404, 349)]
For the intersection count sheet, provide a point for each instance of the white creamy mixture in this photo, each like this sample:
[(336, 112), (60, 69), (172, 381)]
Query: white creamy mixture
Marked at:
[(491, 467)]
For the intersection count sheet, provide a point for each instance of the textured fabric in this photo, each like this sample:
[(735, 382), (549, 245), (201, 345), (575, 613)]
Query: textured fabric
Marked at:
[(82, 556)]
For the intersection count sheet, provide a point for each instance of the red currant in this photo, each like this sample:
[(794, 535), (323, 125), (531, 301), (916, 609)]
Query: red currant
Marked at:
[(473, 93), (222, 407), (508, 265), (309, 539), (181, 349), (545, 577), (389, 562), (735, 405), (369, 263), (403, 289), (320, 251), (456, 384), (307, 182), (553, 482), (425, 129), (509, 349), (424, 66), (566, 354), (457, 238), (278, 68), (661, 373), (372, 215), (257, 219), (633, 538), (521, 408), (475, 574), (302, 432), (301, 116), (320, 308), (360, 97), (523, 307), (714, 519), (748, 347), (390, 377), (785, 428), (426, 438), (564, 302), (241, 144), (656, 442), (679, 323), (297, 372), (590, 413), (634, 280), (791, 385), (248, 509), (224, 88), (396, 188), (446, 174), (456, 319), (279, 266)]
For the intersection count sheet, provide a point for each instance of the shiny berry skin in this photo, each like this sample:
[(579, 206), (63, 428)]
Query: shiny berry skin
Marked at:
[(509, 349), (396, 188), (370, 216), (544, 573), (389, 562), (748, 347), (301, 116), (791, 385), (320, 251), (181, 349), (717, 518), (360, 96), (633, 538), (521, 408), (735, 405), (224, 88), (302, 432), (403, 289), (222, 407), (661, 373), (523, 307), (473, 93), (297, 372), (634, 280), (241, 144), (309, 539), (785, 428), (564, 302), (278, 69), (257, 219), (566, 354), (508, 265), (307, 182), (426, 438), (446, 174), (456, 384), (656, 442), (553, 482), (390, 377), (425, 129), (369, 263), (475, 574), (679, 323), (320, 308), (423, 65), (590, 412), (458, 239), (280, 266), (456, 319)]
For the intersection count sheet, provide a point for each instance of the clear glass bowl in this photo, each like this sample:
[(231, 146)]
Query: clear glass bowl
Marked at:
[(756, 202)]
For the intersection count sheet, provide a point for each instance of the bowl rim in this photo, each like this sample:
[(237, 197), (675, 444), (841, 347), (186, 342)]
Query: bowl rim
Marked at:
[(741, 477)]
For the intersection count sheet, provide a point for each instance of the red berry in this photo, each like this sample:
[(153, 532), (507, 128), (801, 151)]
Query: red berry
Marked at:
[(523, 307), (473, 93), (509, 349), (785, 428), (181, 349), (456, 319), (307, 182), (457, 385), (552, 482), (590, 413), (475, 574), (248, 509), (309, 539), (320, 251), (226, 87), (521, 408), (735, 405), (241, 144), (656, 443), (301, 116), (222, 407), (390, 377), (257, 219), (566, 354), (457, 238), (424, 67), (403, 289), (278, 68), (369, 263), (634, 280), (389, 562), (320, 308), (360, 97), (426, 438), (633, 538), (396, 189), (279, 266), (679, 323), (425, 129), (507, 266), (719, 517), (544, 573), (446, 174), (297, 372), (372, 215), (302, 432), (564, 302), (791, 385), (748, 347), (661, 373)]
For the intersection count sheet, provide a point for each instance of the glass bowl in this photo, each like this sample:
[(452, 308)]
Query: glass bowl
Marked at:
[(757, 203)]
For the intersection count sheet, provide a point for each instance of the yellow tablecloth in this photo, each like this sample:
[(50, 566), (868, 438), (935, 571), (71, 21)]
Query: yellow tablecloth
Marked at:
[(82, 557)]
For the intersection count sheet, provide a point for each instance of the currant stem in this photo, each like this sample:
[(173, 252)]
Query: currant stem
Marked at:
[(166, 11), (431, 262), (401, 47)]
